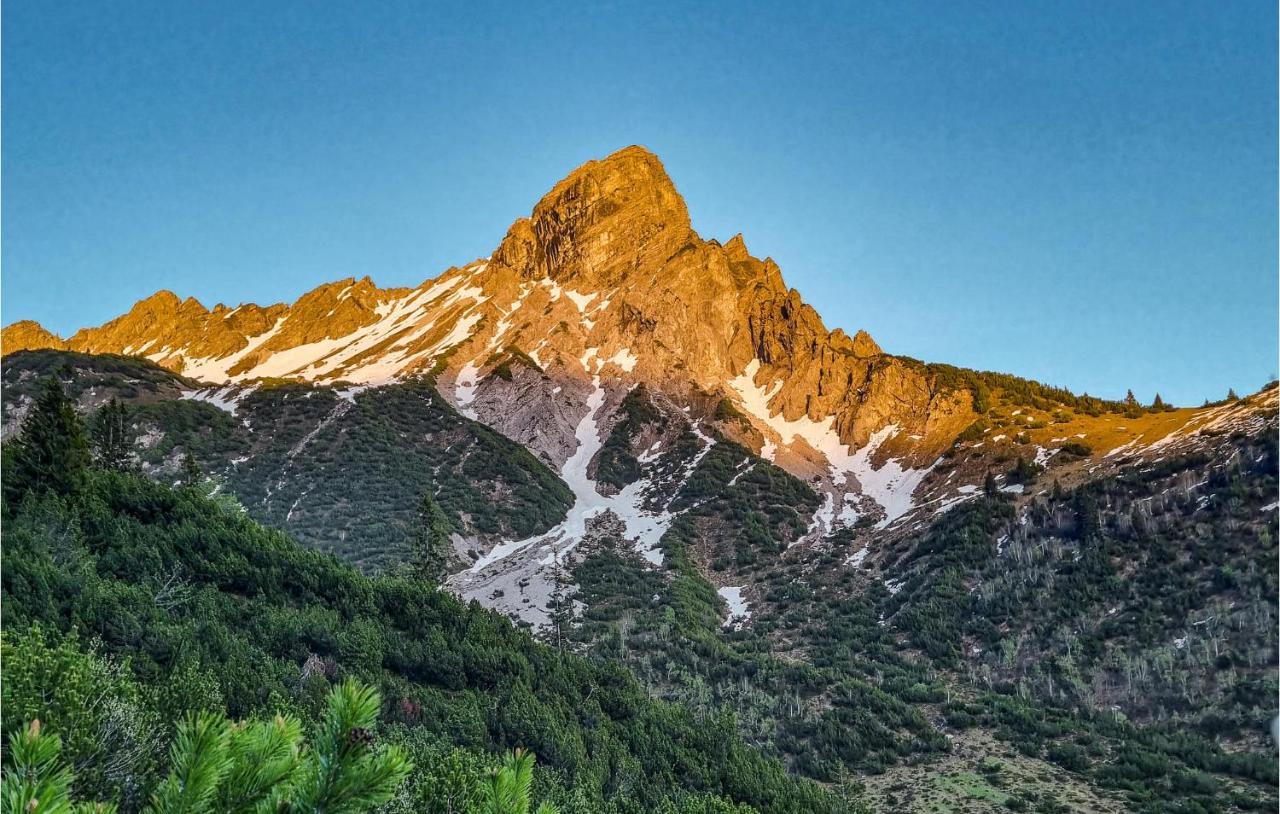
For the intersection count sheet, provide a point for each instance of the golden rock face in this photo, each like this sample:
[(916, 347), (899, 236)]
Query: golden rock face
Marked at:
[(607, 264), (27, 334)]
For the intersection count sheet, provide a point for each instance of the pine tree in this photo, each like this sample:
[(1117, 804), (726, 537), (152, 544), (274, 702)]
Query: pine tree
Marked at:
[(37, 780), (1231, 394), (432, 540), (1023, 471), (243, 768), (1132, 409), (191, 471), (989, 485), (53, 452), (110, 437), (560, 605), (507, 789), (343, 773), (1158, 403)]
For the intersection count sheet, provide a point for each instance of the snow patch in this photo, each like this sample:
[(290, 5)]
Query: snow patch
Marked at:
[(224, 398), (739, 612), (464, 388), (891, 485), (580, 300), (624, 359)]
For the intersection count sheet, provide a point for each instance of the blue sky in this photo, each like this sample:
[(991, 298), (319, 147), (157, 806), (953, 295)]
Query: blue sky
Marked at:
[(1083, 193)]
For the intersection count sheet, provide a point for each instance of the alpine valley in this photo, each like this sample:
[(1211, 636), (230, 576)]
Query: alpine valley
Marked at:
[(882, 583)]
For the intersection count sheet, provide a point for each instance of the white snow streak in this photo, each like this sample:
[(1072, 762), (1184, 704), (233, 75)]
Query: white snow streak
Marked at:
[(224, 398), (891, 485)]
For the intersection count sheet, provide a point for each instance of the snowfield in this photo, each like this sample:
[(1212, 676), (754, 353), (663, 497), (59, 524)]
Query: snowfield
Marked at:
[(891, 485)]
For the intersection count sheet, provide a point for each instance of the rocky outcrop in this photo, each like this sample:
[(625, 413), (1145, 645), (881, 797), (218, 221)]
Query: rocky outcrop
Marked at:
[(605, 288), (28, 334), (606, 277)]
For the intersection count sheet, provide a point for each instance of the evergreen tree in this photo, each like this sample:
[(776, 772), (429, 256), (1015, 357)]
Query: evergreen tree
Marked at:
[(981, 398), (989, 485), (507, 789), (110, 437), (191, 471), (1132, 409), (36, 778), (53, 452), (560, 606), (432, 540), (1231, 394), (1023, 471), (1158, 403), (255, 766)]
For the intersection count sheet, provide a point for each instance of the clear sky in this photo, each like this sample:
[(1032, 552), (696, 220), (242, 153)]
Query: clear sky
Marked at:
[(1083, 193)]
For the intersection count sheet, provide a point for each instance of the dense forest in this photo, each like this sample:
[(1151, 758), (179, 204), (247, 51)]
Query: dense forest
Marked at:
[(133, 609)]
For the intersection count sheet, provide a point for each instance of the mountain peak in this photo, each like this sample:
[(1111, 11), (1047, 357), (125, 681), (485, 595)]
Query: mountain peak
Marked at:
[(605, 217), (164, 298), (28, 334)]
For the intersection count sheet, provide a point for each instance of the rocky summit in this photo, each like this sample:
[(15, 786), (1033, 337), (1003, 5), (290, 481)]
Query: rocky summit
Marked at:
[(609, 339)]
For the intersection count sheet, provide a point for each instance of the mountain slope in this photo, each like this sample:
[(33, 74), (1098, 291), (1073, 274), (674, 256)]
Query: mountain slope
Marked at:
[(605, 286), (342, 469), (212, 610)]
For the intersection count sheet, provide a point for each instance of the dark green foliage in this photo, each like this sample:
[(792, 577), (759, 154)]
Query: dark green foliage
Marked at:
[(973, 432), (344, 476), (112, 438), (127, 378), (742, 511), (989, 486), (168, 577), (106, 727), (432, 543), (933, 607), (1024, 471), (766, 506), (210, 434), (1022, 392), (233, 768), (1151, 592), (190, 471), (52, 452), (727, 411), (37, 780), (1077, 449), (617, 464), (501, 364)]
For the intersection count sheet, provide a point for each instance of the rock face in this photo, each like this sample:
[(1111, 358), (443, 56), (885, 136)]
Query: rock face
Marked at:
[(28, 335), (608, 260), (628, 354)]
